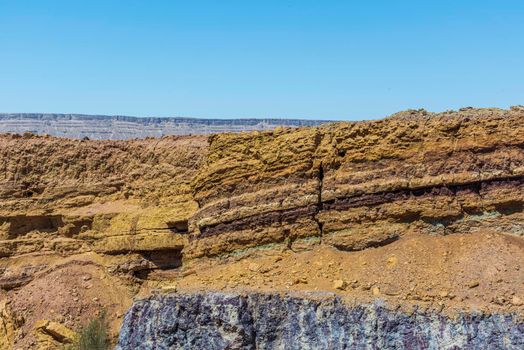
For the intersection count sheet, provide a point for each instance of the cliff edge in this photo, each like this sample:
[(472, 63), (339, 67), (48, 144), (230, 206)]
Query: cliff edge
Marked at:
[(418, 211)]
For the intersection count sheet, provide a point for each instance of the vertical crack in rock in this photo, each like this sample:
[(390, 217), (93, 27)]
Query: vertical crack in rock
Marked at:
[(319, 136), (319, 200)]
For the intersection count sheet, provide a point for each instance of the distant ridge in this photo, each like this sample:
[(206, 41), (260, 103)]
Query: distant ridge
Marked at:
[(118, 127)]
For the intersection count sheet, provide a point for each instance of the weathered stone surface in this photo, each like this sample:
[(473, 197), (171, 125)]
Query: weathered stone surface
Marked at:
[(8, 325), (368, 203), (361, 184), (73, 196), (274, 321), (349, 185), (52, 335), (92, 209)]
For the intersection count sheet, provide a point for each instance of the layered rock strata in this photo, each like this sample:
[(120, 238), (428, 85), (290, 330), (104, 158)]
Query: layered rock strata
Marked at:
[(71, 196), (199, 211), (105, 127), (349, 185), (356, 185)]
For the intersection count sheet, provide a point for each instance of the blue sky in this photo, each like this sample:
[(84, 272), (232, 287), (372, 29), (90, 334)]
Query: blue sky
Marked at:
[(273, 58)]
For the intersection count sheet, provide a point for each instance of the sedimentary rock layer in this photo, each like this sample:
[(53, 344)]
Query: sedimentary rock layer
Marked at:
[(104, 127), (75, 196), (349, 185), (354, 185), (274, 321)]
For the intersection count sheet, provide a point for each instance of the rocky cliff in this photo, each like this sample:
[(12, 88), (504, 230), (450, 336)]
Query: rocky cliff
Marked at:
[(104, 127), (419, 210), (358, 185)]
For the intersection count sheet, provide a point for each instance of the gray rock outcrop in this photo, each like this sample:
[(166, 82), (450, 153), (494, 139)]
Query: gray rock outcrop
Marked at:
[(101, 127), (275, 321)]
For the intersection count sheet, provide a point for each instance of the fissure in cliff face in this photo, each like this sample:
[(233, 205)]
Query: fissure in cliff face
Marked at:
[(416, 209)]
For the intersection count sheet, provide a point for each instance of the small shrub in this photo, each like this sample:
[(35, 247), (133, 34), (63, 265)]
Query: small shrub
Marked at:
[(93, 336)]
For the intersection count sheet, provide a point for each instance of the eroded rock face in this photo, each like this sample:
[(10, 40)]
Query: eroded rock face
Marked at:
[(274, 321), (73, 196), (305, 206), (82, 223), (348, 185), (359, 185)]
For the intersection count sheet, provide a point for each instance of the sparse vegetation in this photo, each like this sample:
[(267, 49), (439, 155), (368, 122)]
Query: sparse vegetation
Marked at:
[(93, 336)]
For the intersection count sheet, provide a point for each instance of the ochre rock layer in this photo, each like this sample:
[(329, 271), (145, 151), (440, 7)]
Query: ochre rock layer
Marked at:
[(355, 185), (73, 196)]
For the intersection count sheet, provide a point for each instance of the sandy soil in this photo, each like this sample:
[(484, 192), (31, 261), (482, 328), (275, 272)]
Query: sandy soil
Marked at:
[(481, 271)]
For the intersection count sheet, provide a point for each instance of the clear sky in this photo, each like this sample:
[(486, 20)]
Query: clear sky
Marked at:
[(266, 58)]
